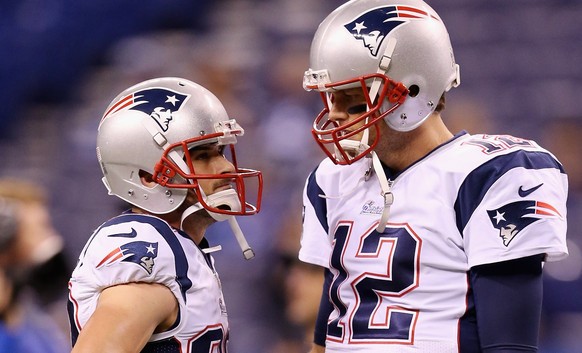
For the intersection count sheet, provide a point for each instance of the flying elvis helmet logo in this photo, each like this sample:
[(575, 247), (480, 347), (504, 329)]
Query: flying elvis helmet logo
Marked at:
[(512, 218), (373, 26), (138, 252), (159, 103)]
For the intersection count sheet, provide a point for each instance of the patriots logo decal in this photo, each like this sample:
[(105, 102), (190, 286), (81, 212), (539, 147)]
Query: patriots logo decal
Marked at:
[(514, 217), (138, 252), (373, 26), (158, 103)]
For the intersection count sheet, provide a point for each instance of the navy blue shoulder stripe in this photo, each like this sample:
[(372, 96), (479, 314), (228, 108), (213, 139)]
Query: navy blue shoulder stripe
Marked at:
[(162, 227), (478, 182), (318, 203)]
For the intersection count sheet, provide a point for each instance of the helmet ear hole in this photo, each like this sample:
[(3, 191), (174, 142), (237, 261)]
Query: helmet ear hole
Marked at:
[(413, 91), (145, 175)]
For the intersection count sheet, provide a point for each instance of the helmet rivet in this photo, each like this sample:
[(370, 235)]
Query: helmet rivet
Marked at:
[(168, 171), (171, 201), (130, 192), (430, 104), (403, 116), (145, 196), (168, 193), (202, 133)]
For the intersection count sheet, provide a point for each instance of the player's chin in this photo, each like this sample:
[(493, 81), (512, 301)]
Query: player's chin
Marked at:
[(206, 215), (200, 217)]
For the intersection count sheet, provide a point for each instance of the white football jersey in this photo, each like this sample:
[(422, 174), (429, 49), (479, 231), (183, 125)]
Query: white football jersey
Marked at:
[(142, 248), (474, 200)]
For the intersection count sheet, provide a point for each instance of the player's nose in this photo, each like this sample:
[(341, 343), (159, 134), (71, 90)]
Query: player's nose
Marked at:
[(338, 114), (224, 166)]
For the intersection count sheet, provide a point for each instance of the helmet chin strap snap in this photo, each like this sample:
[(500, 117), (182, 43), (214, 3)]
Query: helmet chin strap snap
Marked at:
[(226, 198), (386, 186)]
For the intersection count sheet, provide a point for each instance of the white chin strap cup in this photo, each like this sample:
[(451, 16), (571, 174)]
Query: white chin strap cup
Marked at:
[(351, 147), (227, 198)]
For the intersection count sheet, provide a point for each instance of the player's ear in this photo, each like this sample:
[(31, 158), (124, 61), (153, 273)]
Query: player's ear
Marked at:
[(146, 179)]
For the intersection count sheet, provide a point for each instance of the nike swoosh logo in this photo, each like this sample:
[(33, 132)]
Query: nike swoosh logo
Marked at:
[(524, 193), (131, 234)]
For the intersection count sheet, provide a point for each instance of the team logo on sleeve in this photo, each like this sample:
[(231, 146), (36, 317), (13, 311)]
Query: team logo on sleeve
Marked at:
[(373, 26), (158, 103), (514, 217), (138, 252)]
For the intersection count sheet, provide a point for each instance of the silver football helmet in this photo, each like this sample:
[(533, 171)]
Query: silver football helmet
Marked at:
[(150, 127), (397, 51)]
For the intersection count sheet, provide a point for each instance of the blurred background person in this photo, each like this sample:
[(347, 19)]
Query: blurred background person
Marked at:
[(33, 271), (296, 286)]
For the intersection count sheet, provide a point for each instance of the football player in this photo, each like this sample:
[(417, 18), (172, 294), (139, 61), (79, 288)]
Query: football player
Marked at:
[(146, 280), (432, 242)]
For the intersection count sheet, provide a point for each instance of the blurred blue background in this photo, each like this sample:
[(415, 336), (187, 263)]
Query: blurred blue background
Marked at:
[(62, 62)]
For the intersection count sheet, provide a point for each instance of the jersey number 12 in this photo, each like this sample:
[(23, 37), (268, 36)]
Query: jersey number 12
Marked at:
[(390, 269)]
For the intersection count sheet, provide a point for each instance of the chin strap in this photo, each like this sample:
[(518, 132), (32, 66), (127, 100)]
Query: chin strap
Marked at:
[(382, 67), (352, 148), (386, 186), (229, 198), (248, 253)]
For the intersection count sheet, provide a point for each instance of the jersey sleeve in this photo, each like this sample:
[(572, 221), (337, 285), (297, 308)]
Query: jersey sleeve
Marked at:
[(315, 244), (514, 206), (128, 252), (128, 248)]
